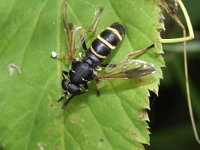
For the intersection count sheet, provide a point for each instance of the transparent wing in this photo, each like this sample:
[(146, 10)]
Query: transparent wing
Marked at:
[(79, 34), (73, 34), (74, 37), (128, 69)]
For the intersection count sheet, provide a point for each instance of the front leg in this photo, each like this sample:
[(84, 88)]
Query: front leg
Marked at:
[(64, 73), (62, 97), (70, 98), (67, 101)]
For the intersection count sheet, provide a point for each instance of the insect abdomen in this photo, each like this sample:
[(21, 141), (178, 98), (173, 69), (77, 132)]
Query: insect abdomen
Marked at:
[(105, 42)]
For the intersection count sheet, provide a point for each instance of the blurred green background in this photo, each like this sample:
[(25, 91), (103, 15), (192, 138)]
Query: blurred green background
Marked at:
[(170, 123)]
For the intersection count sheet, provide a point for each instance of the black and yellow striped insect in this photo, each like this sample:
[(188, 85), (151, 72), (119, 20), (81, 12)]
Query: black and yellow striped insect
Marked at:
[(75, 82)]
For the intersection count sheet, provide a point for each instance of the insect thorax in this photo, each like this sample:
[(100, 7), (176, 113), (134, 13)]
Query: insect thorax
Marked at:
[(80, 73)]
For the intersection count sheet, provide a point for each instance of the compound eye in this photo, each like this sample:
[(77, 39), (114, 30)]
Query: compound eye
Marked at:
[(65, 84)]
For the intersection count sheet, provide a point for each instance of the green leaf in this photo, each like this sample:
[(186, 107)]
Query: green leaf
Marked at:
[(29, 116)]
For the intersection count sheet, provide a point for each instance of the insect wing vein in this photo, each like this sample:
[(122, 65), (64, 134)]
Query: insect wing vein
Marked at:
[(128, 69)]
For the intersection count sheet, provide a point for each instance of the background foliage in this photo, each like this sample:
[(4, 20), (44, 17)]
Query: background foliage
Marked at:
[(170, 122)]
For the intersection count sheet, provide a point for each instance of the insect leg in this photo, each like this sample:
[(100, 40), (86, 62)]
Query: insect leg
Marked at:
[(67, 101), (64, 73), (92, 28), (95, 21), (140, 51), (129, 56), (70, 98), (62, 97), (69, 34)]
